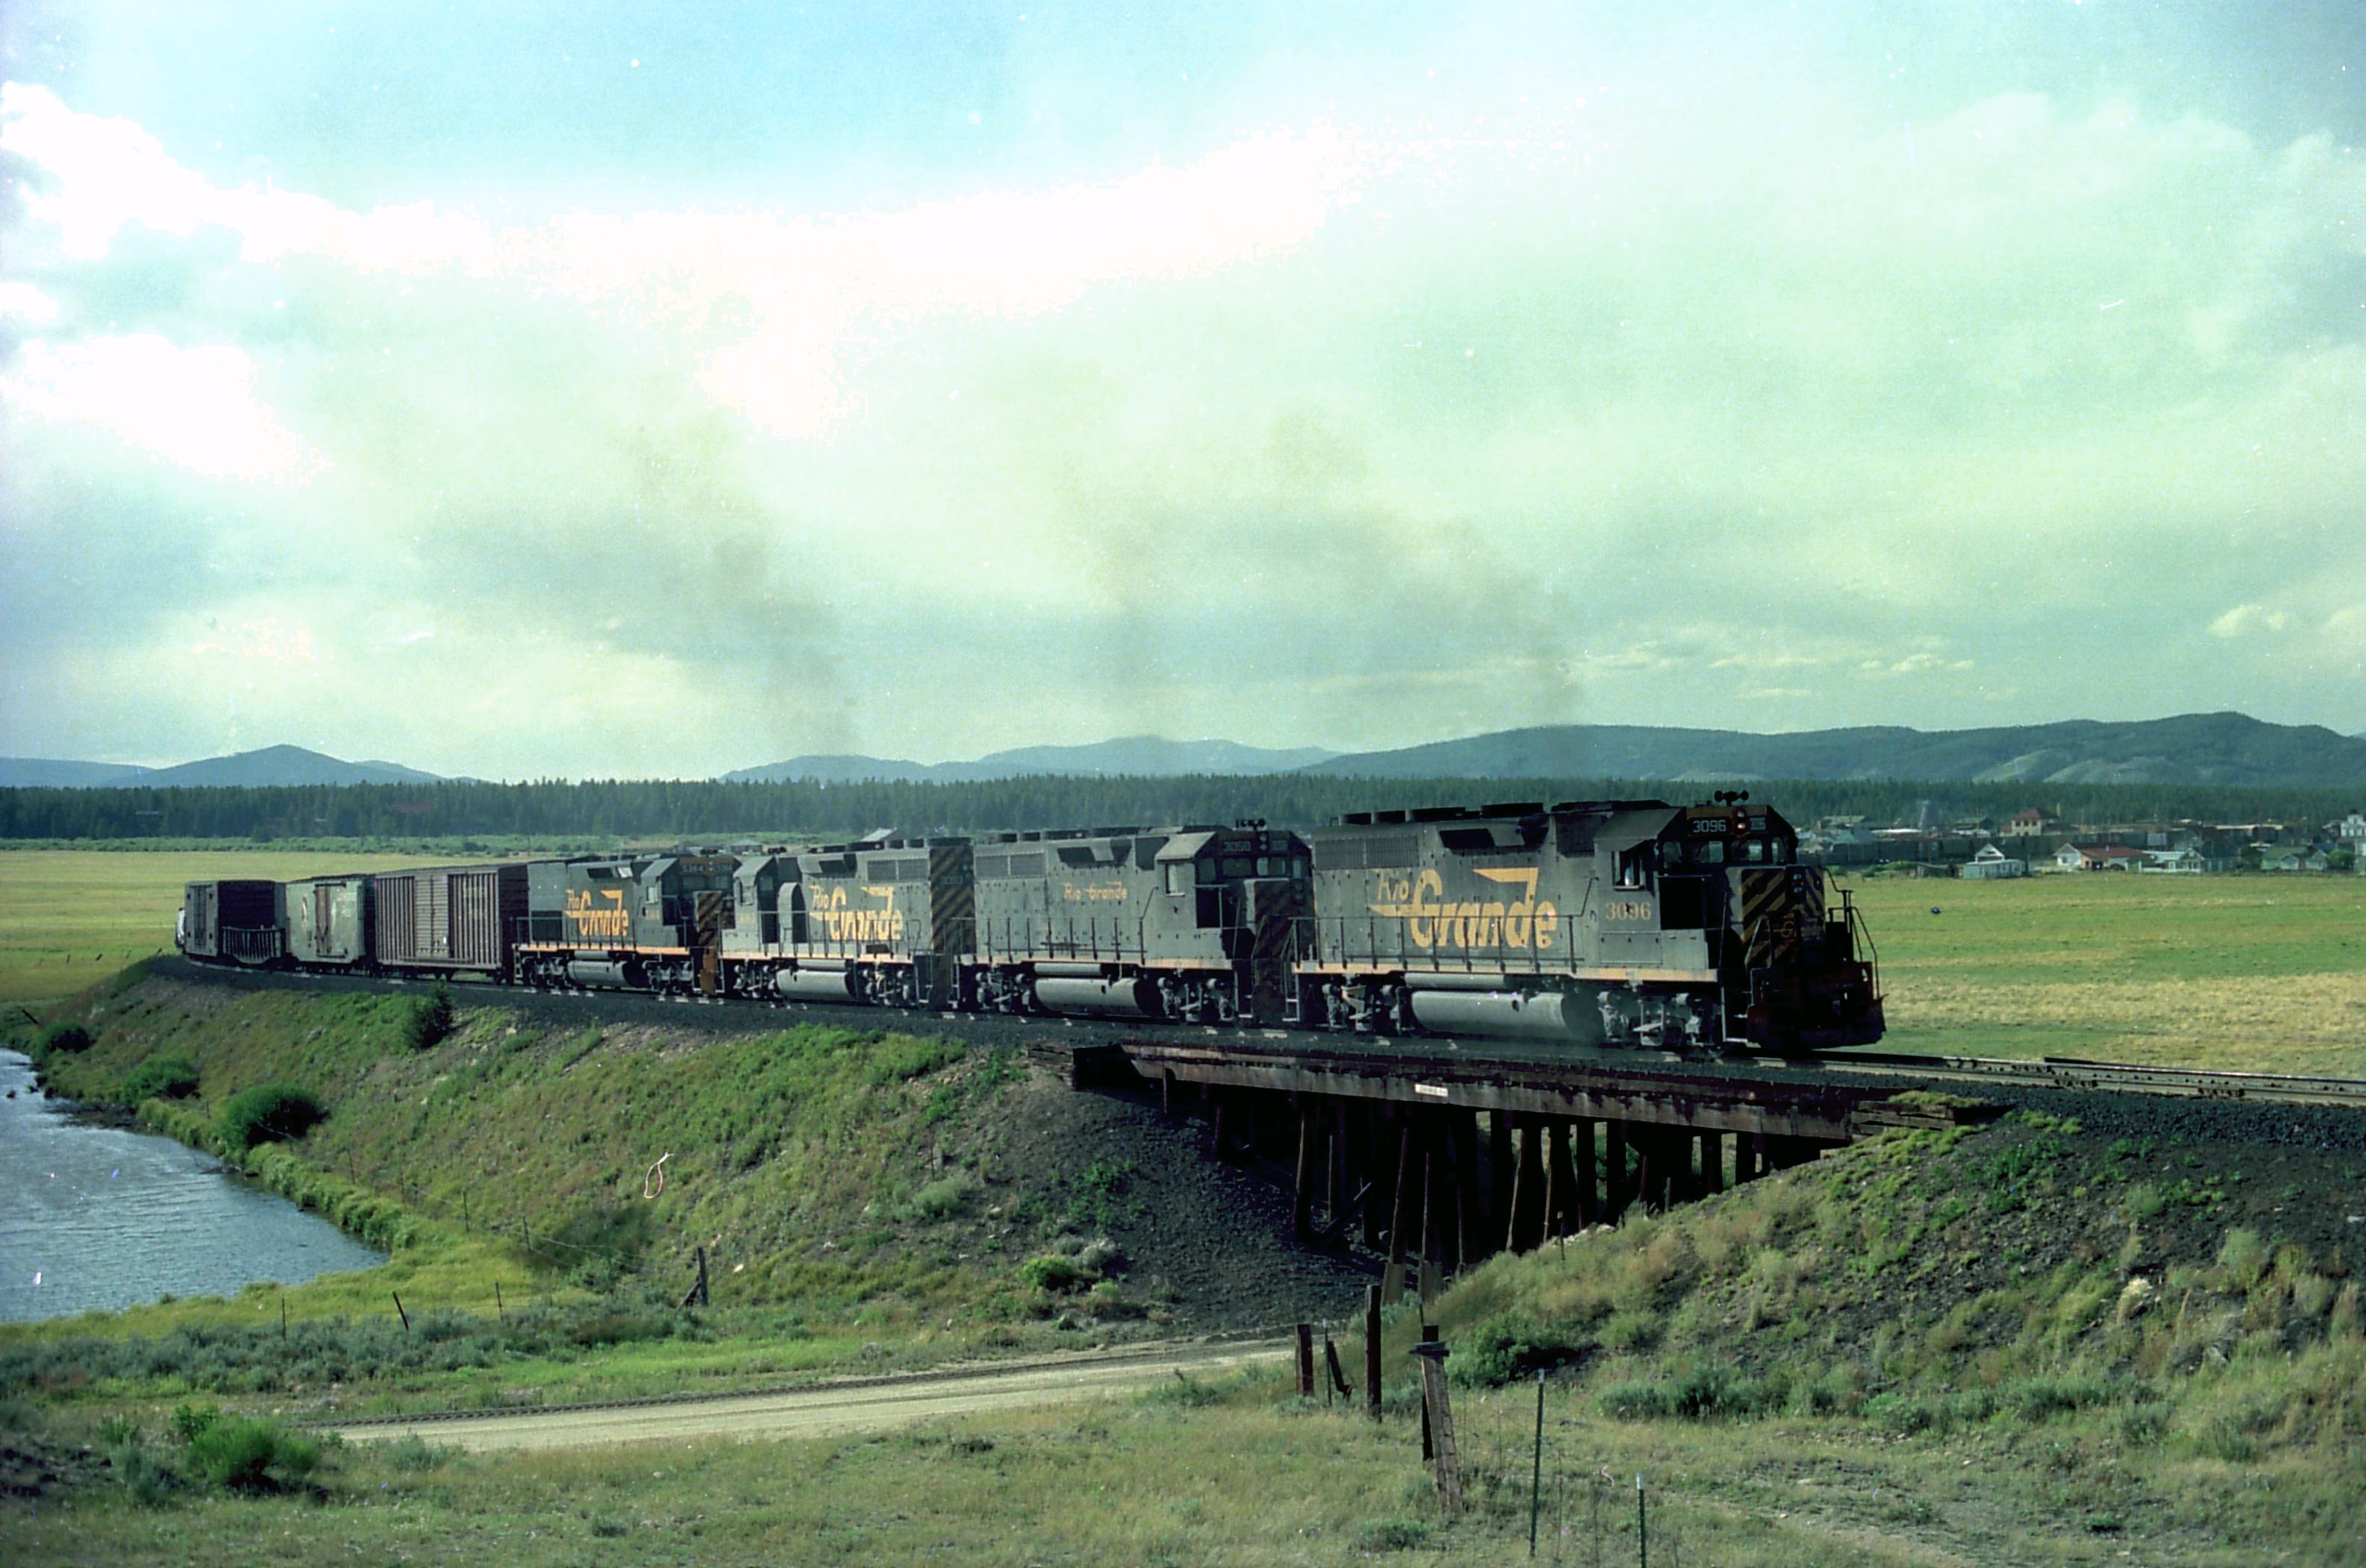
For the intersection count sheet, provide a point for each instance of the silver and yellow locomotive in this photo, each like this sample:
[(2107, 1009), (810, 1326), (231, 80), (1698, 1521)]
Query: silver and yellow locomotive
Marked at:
[(1601, 922)]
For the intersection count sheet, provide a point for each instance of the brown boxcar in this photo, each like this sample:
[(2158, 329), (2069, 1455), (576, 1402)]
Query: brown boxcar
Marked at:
[(449, 918)]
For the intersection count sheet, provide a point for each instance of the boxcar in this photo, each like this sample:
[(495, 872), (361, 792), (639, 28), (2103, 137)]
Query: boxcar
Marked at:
[(240, 921), (450, 919), (330, 921)]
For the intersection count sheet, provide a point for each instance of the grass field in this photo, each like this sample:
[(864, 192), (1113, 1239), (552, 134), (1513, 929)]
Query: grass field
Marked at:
[(70, 918), (2259, 972), (1713, 1351)]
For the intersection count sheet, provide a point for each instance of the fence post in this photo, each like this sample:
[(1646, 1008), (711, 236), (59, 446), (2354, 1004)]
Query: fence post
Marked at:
[(1536, 1469), (1372, 1352), (1437, 1407), (398, 1307), (1642, 1527), (1306, 1361)]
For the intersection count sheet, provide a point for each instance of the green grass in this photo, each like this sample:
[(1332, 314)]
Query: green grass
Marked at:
[(508, 1169), (2035, 1422), (2255, 973), (70, 918)]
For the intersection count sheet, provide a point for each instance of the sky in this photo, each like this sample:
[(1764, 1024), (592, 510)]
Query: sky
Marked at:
[(596, 390)]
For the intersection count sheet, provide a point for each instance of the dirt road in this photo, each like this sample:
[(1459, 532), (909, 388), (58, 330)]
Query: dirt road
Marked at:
[(818, 1412)]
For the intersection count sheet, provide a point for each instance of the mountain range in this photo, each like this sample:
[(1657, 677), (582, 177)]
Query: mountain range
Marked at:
[(1139, 756), (2194, 748), (273, 764)]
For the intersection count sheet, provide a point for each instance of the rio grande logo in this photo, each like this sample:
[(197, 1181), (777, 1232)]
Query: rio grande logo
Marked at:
[(604, 916), (839, 923), (1526, 922)]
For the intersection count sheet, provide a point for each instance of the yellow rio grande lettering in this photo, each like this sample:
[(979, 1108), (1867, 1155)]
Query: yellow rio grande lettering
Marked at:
[(1429, 922), (603, 917), (839, 923)]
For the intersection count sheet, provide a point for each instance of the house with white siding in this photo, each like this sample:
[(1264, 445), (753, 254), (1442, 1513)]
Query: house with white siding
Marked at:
[(1991, 864)]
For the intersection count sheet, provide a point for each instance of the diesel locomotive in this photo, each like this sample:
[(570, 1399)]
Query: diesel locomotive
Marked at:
[(1597, 923)]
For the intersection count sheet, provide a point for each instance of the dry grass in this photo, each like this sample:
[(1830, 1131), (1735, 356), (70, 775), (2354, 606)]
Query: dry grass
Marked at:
[(2264, 973)]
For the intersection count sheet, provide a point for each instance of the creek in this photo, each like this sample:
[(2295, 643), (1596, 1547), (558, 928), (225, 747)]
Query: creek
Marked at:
[(100, 1216)]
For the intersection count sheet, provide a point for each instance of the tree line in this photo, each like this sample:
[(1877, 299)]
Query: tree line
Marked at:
[(713, 811)]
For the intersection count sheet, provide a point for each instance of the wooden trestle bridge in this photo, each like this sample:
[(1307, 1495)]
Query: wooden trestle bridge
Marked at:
[(1438, 1159)]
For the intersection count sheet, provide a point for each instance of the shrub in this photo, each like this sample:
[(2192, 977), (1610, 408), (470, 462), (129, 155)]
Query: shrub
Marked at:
[(1513, 1347), (244, 1453), (1393, 1535), (146, 1478), (411, 1452), (62, 1039), (268, 1114), (1634, 1401), (1049, 1272), (599, 1243), (430, 1020), (159, 1078), (2244, 1257), (945, 1196)]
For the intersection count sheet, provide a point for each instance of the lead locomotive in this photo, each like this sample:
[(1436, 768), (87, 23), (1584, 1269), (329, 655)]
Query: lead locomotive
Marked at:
[(1598, 922)]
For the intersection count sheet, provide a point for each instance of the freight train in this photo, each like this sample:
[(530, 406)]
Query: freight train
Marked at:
[(1596, 923)]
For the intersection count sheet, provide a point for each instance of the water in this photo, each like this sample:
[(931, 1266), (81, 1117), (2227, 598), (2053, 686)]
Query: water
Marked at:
[(99, 1217)]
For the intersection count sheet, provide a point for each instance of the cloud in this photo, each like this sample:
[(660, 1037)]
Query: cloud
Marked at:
[(2249, 620), (101, 174), (1352, 424), (193, 407)]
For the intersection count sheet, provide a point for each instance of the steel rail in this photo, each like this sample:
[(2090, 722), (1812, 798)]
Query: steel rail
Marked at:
[(2054, 1072), (2078, 1072)]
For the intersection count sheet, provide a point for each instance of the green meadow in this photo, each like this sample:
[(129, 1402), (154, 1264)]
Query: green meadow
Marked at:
[(2262, 972), (70, 918)]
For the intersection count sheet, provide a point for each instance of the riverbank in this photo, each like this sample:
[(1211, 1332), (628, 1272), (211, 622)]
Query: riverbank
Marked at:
[(104, 1216), (857, 1198)]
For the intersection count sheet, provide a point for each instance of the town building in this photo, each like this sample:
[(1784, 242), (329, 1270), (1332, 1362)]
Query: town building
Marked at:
[(2098, 857), (1991, 863)]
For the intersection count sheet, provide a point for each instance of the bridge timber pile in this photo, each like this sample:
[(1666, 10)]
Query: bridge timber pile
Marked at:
[(1436, 1154), (1436, 1159)]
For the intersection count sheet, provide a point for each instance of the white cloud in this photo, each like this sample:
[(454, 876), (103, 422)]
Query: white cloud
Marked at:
[(23, 302), (106, 174), (2249, 620), (194, 407)]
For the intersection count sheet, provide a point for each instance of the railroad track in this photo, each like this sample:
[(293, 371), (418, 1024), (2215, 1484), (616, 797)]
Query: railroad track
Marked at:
[(2110, 1077), (2046, 1073)]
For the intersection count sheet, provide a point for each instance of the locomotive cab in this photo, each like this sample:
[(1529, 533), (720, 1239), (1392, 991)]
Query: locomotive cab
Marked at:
[(1790, 977)]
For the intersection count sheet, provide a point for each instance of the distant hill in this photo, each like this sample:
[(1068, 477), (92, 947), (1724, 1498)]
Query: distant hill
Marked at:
[(1137, 756), (276, 764), (2195, 748), (45, 773)]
